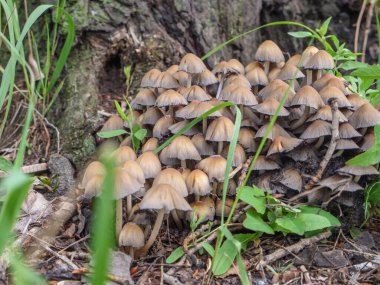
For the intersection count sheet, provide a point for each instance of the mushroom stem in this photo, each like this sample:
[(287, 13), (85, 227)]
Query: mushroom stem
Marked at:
[(220, 147), (183, 163), (176, 219), (266, 67), (255, 89), (338, 153), (241, 107), (188, 80), (196, 197), (153, 234), (319, 142), (204, 126), (319, 73), (214, 187), (220, 87), (135, 208), (131, 252), (119, 217), (363, 131), (309, 77), (171, 111), (357, 178), (129, 205), (301, 120)]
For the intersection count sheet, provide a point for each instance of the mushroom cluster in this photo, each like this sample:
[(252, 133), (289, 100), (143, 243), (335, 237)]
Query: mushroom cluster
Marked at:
[(189, 172)]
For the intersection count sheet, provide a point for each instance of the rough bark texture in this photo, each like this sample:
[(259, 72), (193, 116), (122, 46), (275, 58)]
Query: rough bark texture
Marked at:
[(145, 34)]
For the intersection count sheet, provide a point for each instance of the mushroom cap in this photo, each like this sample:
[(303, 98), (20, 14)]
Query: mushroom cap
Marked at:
[(358, 170), (205, 78), (93, 187), (194, 93), (181, 77), (330, 92), (289, 72), (307, 54), (161, 128), (252, 65), (131, 235), (265, 163), (346, 131), (273, 73), (151, 116), (214, 166), (150, 78), (125, 183), (237, 65), (247, 139), (164, 196), (196, 109), (257, 77), (277, 89), (269, 107), (197, 182), (226, 112), (332, 182), (150, 145), (202, 211), (295, 60), (237, 80), (343, 144), (368, 141), (320, 60), (276, 131), (150, 164), (184, 172), (307, 96), (170, 98), (325, 114), (269, 51), (113, 123), (320, 83), (224, 67), (95, 168), (183, 148), (145, 97), (181, 124), (123, 154), (239, 155), (220, 129), (166, 160), (172, 69), (174, 178), (135, 170), (227, 207), (283, 144), (203, 147), (350, 186), (292, 179), (317, 129), (356, 100), (303, 153), (190, 63), (364, 117), (338, 83), (238, 95)]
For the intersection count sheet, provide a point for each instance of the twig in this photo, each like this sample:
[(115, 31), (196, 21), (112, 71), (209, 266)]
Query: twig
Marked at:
[(113, 278), (334, 137), (244, 170), (53, 127), (294, 248), (367, 27), (171, 280), (358, 24), (34, 168)]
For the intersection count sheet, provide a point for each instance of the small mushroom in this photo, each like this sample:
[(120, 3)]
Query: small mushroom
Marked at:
[(150, 164), (204, 148), (257, 78), (317, 130), (131, 236), (183, 149), (194, 93), (95, 168), (112, 124), (330, 92), (202, 212), (320, 61), (215, 167), (123, 154), (150, 78), (358, 171), (150, 145), (161, 128), (170, 98), (191, 64), (220, 130), (364, 117), (268, 52), (283, 144), (198, 183)]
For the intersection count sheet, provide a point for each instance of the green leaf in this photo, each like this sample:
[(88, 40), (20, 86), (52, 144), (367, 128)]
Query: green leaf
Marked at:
[(243, 275), (323, 30), (352, 64), (291, 224), (140, 134), (5, 164), (175, 255), (373, 194), (314, 210), (253, 196), (208, 247), (371, 71), (23, 274), (121, 113), (230, 237), (254, 222), (244, 239), (355, 232), (313, 222), (111, 134), (301, 34), (224, 258)]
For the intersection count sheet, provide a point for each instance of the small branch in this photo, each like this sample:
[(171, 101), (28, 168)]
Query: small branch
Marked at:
[(334, 137), (34, 168), (367, 27), (358, 24)]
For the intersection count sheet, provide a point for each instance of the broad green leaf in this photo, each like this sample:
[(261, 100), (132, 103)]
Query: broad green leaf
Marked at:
[(371, 71), (224, 258), (255, 222), (301, 34), (314, 210), (291, 224), (175, 255), (373, 194), (244, 239), (253, 196), (208, 247), (121, 113), (5, 164), (140, 134), (230, 237), (111, 134), (355, 232), (242, 270), (323, 30), (313, 222), (371, 156), (351, 64)]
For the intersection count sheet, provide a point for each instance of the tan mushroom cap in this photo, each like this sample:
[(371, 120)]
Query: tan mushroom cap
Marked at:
[(164, 196), (166, 160), (203, 147), (307, 96), (161, 128), (358, 170), (202, 212), (131, 235), (265, 163), (346, 131), (320, 83), (226, 112), (95, 168), (123, 154), (224, 67), (134, 169), (190, 63), (93, 187), (151, 116), (269, 51), (238, 95), (172, 69), (330, 92), (227, 207), (214, 166), (205, 78), (325, 114), (332, 182), (295, 60), (257, 77), (183, 148), (292, 179), (125, 183), (237, 79), (178, 126), (145, 97), (277, 89), (150, 78), (184, 172), (237, 65), (356, 101), (239, 155), (283, 144), (220, 129), (174, 178), (196, 109), (181, 77), (364, 117), (113, 123), (320, 60), (252, 65), (317, 129), (368, 141), (170, 98), (289, 72), (247, 139), (194, 93), (150, 164), (197, 182), (150, 145), (276, 131), (273, 73), (269, 107), (307, 54), (338, 83), (343, 144)]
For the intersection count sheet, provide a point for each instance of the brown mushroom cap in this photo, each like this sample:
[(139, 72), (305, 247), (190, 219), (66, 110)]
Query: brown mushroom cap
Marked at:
[(194, 93), (170, 98), (277, 89), (174, 178), (338, 83), (252, 65), (178, 126), (183, 148), (214, 166), (364, 117), (343, 144), (145, 97), (307, 54), (123, 154), (332, 182), (265, 163), (356, 101), (166, 160), (227, 207), (197, 182), (320, 83), (330, 92), (289, 72), (317, 129), (269, 107), (126, 183), (164, 196), (134, 169), (151, 116), (238, 95), (150, 164), (325, 114), (237, 80), (292, 179), (172, 69), (196, 109), (269, 51), (224, 67), (150, 78), (220, 129), (190, 63), (161, 128), (203, 147), (205, 78), (307, 96), (295, 60), (202, 211), (181, 77), (320, 60), (237, 65), (368, 141), (95, 168), (131, 235), (113, 123), (283, 144), (247, 139), (257, 77), (276, 131), (93, 187), (150, 145), (239, 155), (358, 170), (346, 131)]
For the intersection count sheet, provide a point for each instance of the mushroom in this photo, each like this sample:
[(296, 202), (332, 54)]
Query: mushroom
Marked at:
[(220, 130), (307, 54), (325, 114), (95, 168), (166, 81), (169, 99), (198, 183), (283, 144), (356, 101), (276, 131), (322, 82), (292, 179), (227, 207), (277, 89), (180, 125), (194, 93), (221, 70), (183, 149), (131, 236), (166, 160), (215, 167), (181, 77), (237, 80), (145, 98), (269, 107), (320, 61), (237, 65), (239, 155), (150, 164), (191, 64), (93, 187), (330, 92), (150, 145), (339, 84), (247, 139), (294, 60), (289, 72), (161, 128), (368, 141), (268, 52), (123, 154), (364, 117), (257, 77), (201, 211), (358, 171), (151, 116), (346, 131), (150, 78), (204, 79), (112, 124), (317, 130), (204, 148), (264, 163), (252, 65), (174, 178), (165, 198), (172, 69), (239, 95)]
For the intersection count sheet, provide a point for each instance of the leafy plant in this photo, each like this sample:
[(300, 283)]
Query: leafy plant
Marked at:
[(372, 201), (128, 78)]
